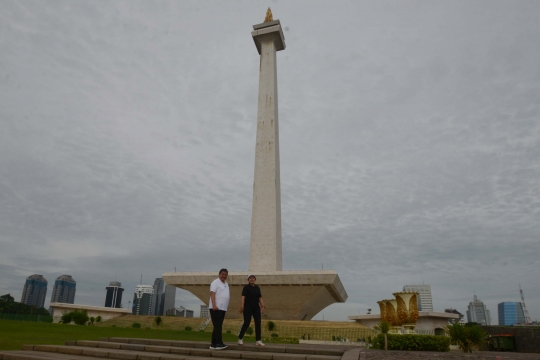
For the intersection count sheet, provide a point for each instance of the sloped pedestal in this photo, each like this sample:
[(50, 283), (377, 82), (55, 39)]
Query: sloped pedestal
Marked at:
[(288, 295)]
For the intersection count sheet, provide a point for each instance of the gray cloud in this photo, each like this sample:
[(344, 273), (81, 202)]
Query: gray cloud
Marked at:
[(410, 144)]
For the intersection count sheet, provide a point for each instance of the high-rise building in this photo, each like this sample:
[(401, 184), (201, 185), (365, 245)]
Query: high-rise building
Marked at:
[(113, 298), (142, 300), (478, 313), (424, 296), (64, 290), (158, 297), (510, 313), (205, 314), (34, 291), (169, 297)]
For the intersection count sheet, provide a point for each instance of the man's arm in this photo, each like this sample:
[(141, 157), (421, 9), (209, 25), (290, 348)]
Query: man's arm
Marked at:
[(213, 297)]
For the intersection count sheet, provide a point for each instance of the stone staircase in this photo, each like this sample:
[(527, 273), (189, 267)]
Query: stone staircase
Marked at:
[(148, 349)]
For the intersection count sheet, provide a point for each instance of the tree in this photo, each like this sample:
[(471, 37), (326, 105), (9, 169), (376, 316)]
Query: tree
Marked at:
[(384, 328), (7, 298), (158, 320)]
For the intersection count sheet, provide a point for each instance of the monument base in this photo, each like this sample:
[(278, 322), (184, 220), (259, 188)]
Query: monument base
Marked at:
[(288, 295)]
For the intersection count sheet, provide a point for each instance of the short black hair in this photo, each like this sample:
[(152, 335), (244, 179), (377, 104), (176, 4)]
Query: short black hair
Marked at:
[(223, 270)]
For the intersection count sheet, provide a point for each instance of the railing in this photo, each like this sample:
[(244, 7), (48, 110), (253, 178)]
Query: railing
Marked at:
[(27, 317), (345, 334)]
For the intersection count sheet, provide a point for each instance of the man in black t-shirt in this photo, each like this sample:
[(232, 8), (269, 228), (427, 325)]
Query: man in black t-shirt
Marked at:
[(252, 305)]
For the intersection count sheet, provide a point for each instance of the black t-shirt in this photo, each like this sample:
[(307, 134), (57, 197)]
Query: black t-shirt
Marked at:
[(252, 294)]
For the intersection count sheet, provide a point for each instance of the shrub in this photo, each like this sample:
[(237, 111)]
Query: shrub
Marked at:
[(413, 342), (67, 317), (228, 331), (113, 326), (274, 335), (98, 319), (78, 317), (249, 330), (188, 328), (270, 326), (136, 325), (158, 320)]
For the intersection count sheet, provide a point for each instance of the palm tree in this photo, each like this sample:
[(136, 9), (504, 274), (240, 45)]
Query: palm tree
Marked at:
[(458, 336), (384, 328), (476, 336)]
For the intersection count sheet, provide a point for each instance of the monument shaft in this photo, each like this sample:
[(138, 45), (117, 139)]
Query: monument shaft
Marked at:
[(265, 246), (289, 295)]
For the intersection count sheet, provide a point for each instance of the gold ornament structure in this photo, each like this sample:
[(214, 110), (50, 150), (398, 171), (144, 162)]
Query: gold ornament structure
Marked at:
[(391, 312), (401, 311), (407, 308), (269, 16), (382, 306)]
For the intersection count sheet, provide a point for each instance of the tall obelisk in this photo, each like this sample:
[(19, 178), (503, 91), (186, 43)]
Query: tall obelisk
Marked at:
[(265, 246), (288, 294)]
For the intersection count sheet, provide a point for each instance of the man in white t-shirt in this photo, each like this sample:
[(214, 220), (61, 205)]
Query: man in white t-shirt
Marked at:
[(219, 302)]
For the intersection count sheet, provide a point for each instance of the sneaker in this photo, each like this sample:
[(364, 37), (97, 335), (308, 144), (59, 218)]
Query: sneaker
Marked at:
[(259, 343), (240, 342), (213, 347), (221, 347)]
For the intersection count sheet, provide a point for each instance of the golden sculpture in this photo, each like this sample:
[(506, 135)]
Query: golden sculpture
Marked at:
[(382, 306), (407, 309), (268, 17), (391, 312)]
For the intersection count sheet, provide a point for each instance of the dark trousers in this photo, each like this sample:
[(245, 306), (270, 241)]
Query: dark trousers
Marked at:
[(217, 317), (249, 311)]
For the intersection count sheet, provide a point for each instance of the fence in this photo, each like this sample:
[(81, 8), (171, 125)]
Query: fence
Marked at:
[(26, 317), (352, 334)]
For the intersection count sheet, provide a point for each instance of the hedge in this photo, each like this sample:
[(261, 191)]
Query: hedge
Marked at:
[(413, 342)]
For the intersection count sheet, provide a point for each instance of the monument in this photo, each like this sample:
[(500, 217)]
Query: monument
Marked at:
[(288, 295)]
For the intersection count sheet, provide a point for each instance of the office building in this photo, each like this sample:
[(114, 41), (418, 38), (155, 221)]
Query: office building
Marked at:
[(113, 298), (180, 312), (142, 300), (158, 297), (424, 296), (34, 291), (478, 313), (205, 314), (510, 313), (169, 297), (64, 290)]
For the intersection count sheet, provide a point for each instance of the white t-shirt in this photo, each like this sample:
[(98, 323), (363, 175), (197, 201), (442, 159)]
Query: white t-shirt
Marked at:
[(223, 294)]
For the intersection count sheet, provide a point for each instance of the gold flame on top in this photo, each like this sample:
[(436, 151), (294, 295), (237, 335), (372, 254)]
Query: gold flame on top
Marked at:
[(269, 16)]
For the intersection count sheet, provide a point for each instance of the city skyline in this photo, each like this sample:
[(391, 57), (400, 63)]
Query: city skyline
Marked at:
[(409, 145)]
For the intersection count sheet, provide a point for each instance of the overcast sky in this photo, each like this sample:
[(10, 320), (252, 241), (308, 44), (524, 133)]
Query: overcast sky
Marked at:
[(409, 139)]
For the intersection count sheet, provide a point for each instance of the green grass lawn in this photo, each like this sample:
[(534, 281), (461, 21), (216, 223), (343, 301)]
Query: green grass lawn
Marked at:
[(13, 334)]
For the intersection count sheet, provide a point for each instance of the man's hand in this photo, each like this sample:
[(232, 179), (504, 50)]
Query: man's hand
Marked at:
[(214, 307), (242, 310)]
